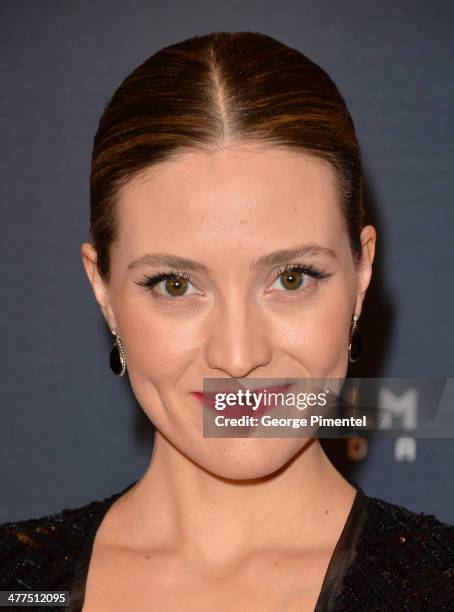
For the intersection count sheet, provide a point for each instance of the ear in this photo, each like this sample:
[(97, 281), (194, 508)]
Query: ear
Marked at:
[(368, 240), (100, 288)]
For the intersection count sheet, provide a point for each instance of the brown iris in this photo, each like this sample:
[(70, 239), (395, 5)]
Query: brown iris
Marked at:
[(176, 286), (292, 280)]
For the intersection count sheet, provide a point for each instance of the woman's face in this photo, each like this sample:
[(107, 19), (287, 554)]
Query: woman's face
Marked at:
[(232, 220)]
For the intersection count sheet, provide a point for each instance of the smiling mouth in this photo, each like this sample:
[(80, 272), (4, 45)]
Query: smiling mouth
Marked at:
[(242, 387), (208, 399)]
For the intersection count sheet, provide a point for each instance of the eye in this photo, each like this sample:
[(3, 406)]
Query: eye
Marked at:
[(297, 276), (168, 284)]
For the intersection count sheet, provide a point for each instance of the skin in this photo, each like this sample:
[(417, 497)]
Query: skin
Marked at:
[(207, 500)]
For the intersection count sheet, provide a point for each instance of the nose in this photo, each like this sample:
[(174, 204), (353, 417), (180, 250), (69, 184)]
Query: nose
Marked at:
[(238, 341)]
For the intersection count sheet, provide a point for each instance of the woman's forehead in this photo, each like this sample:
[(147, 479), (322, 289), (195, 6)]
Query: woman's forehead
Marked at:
[(234, 207), (233, 184)]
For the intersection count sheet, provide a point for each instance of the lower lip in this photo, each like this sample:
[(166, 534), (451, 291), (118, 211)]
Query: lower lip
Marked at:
[(236, 411)]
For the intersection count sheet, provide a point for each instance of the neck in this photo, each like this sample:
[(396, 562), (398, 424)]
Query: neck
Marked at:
[(179, 506)]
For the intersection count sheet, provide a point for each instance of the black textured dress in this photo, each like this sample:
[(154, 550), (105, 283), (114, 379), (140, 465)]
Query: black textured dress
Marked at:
[(387, 559)]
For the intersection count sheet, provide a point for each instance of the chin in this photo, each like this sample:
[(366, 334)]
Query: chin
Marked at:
[(247, 458)]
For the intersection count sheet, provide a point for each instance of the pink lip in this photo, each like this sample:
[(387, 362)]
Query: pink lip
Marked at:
[(208, 400)]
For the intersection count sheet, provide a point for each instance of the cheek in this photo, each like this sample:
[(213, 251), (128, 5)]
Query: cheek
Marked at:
[(157, 352), (156, 346), (334, 330), (333, 325), (322, 335)]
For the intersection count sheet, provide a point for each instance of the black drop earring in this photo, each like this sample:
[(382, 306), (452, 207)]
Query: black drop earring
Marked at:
[(117, 359), (355, 344)]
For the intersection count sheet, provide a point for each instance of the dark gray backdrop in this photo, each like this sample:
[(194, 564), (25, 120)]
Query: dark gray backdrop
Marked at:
[(70, 431)]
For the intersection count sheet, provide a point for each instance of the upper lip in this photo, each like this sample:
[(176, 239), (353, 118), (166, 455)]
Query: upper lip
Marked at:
[(237, 386)]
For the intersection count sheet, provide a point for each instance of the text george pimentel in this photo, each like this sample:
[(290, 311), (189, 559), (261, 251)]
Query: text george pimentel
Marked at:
[(300, 400), (269, 421)]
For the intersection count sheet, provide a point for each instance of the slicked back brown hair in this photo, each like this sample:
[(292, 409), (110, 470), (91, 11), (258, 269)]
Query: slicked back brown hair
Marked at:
[(214, 89)]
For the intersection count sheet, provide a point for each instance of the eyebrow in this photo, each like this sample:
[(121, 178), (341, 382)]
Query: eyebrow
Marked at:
[(271, 259)]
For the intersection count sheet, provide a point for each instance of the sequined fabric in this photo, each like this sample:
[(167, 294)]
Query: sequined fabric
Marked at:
[(387, 559)]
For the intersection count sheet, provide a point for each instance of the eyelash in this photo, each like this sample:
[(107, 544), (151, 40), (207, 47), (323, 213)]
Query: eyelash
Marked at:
[(151, 281), (304, 269)]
